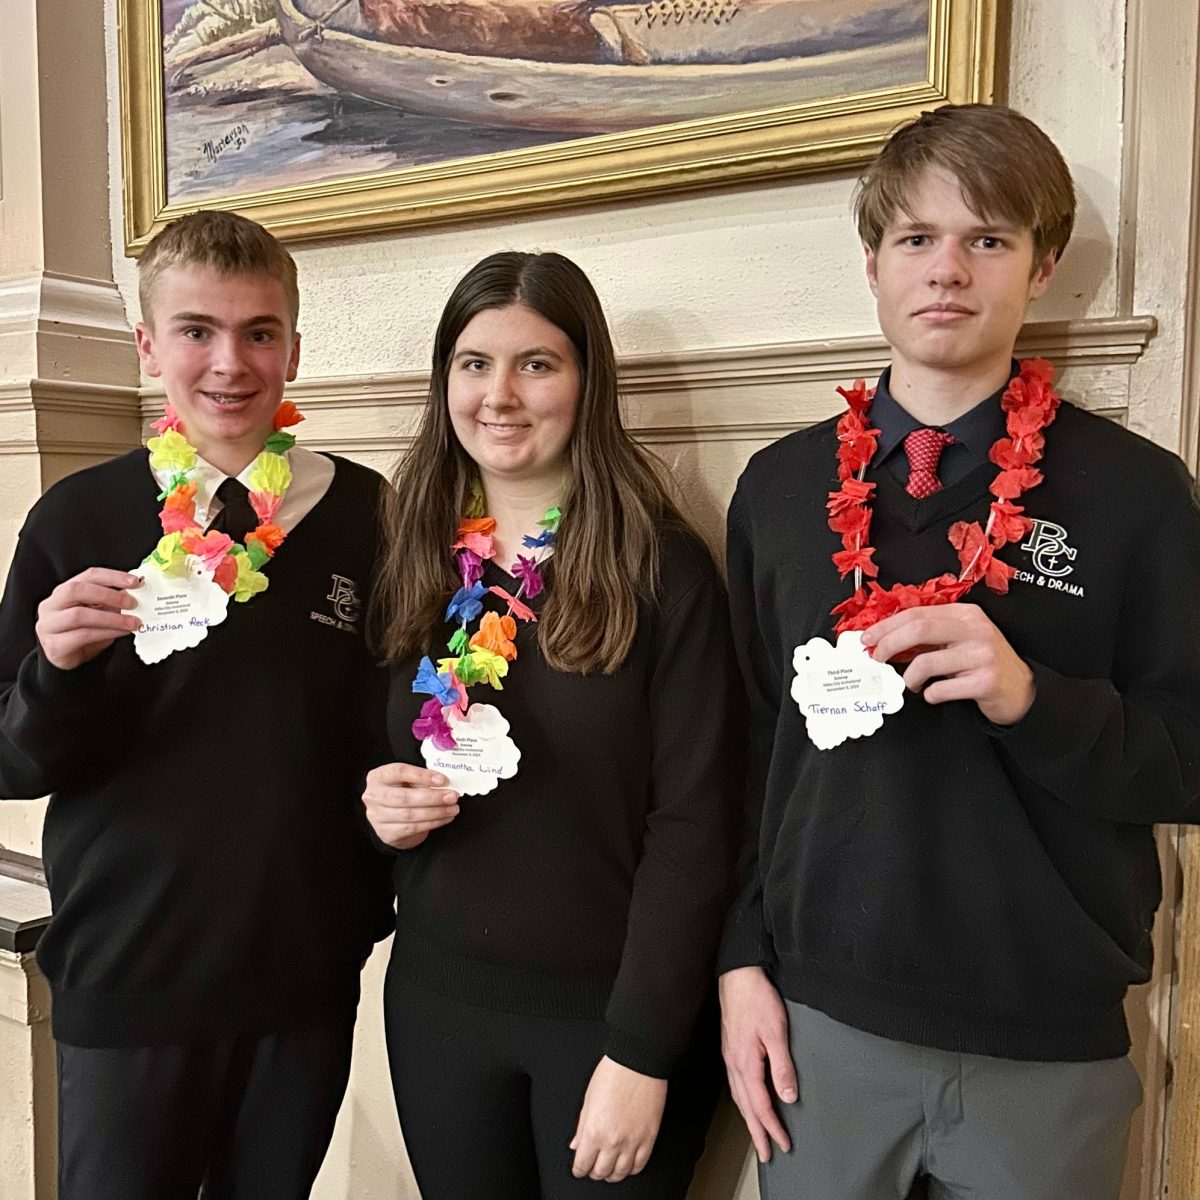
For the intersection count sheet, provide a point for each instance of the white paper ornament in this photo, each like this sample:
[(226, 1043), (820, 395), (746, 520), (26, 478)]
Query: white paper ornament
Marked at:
[(176, 611), (842, 691), (485, 753)]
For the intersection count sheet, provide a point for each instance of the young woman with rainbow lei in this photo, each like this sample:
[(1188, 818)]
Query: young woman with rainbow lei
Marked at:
[(546, 1000)]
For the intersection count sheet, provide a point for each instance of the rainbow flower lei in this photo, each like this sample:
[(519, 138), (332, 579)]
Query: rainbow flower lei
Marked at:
[(482, 656), (235, 567)]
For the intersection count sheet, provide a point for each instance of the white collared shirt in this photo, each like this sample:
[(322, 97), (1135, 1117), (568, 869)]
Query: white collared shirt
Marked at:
[(311, 476)]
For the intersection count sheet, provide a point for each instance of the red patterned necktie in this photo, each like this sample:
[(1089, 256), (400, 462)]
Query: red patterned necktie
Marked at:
[(924, 448)]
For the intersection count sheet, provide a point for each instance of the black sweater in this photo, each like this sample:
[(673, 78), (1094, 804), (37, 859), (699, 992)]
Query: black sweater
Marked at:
[(207, 861), (946, 882), (594, 882)]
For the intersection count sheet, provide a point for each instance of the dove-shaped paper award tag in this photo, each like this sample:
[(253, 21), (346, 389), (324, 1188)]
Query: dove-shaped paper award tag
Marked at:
[(842, 691), (485, 754), (176, 611)]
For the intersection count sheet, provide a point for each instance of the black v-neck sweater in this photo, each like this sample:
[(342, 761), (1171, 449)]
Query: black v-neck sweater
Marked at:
[(594, 882), (946, 882), (204, 846)]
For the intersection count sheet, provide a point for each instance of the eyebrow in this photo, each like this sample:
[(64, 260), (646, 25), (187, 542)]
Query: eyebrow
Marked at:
[(532, 352), (914, 226), (191, 318)]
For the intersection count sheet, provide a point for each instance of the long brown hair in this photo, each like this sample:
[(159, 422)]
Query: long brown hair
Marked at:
[(614, 508)]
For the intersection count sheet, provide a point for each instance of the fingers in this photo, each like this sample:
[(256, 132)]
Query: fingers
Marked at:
[(67, 620), (404, 775), (85, 614), (404, 803), (761, 1105), (399, 790), (436, 813), (758, 1135), (971, 686), (602, 1168), (106, 578), (943, 663), (747, 1085), (63, 649), (585, 1150), (96, 587), (71, 638), (76, 594), (618, 1123), (900, 641), (403, 836), (783, 1073), (608, 1164), (641, 1158)]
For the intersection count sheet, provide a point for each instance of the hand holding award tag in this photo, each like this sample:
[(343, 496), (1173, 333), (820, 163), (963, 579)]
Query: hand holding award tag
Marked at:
[(843, 692), (176, 611), (482, 753)]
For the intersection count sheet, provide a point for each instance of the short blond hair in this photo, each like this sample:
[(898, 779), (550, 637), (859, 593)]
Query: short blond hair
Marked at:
[(224, 242), (1006, 167)]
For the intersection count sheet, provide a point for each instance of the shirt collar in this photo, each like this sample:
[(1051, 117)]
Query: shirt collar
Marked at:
[(207, 479), (975, 430)]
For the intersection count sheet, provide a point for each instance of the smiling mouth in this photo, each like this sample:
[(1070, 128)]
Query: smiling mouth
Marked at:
[(503, 428), (226, 399)]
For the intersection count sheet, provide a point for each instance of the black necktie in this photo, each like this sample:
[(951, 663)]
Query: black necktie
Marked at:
[(237, 518)]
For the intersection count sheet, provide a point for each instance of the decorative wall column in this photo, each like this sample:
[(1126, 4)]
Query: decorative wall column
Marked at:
[(68, 397), (1158, 268), (68, 369)]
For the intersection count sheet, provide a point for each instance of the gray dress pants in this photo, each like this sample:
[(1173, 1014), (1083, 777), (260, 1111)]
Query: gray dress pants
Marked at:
[(874, 1115)]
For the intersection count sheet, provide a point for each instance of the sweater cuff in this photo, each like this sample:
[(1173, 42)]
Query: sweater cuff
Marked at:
[(1039, 736), (52, 684), (635, 1054), (744, 942)]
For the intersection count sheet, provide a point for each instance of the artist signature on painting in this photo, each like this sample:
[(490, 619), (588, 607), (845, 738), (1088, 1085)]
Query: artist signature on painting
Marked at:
[(232, 139)]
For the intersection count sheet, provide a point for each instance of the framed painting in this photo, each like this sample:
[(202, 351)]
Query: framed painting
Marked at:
[(328, 117)]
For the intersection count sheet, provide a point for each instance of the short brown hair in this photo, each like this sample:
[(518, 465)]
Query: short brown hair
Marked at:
[(1005, 165), (224, 242)]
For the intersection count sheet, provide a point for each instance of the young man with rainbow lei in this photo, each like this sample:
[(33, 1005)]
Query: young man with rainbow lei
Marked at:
[(183, 669), (949, 880)]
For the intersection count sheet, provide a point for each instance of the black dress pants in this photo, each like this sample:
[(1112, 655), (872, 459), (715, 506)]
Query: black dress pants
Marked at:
[(244, 1119), (489, 1101)]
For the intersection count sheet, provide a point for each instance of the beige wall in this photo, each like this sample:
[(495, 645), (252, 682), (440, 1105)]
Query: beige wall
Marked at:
[(737, 312)]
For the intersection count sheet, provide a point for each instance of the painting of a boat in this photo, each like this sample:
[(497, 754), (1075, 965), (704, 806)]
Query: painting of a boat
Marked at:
[(476, 106), (636, 72), (682, 31)]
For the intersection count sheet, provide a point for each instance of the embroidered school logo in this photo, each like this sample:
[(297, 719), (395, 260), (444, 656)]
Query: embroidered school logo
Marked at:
[(1048, 549), (1052, 558), (346, 603), (347, 607)]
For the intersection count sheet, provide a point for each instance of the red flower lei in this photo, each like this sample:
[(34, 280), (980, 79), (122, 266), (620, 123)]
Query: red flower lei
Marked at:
[(1031, 404)]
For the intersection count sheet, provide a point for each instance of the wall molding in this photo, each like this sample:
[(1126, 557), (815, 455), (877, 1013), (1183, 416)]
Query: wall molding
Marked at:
[(675, 396), (683, 395), (52, 302), (69, 417)]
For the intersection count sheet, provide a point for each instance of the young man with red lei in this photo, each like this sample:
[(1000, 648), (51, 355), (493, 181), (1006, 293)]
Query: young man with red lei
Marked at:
[(949, 876)]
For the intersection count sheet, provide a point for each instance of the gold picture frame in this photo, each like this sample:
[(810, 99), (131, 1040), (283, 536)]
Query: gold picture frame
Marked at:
[(828, 132)]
